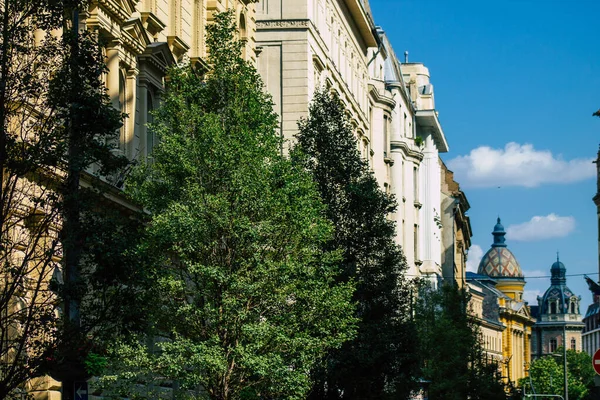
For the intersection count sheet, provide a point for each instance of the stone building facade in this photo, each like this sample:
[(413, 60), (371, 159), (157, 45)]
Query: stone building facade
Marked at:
[(591, 320), (456, 229), (309, 44), (142, 39), (559, 321)]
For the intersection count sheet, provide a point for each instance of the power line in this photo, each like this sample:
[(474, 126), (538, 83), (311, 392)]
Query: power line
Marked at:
[(493, 277)]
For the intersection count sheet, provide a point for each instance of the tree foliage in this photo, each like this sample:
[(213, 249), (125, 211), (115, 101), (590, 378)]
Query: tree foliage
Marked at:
[(453, 361), (547, 375), (56, 123), (380, 362), (247, 300)]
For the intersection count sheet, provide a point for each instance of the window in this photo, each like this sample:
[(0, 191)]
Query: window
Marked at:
[(243, 33), (553, 345), (573, 344), (385, 135), (122, 108), (416, 241), (573, 308), (416, 184), (150, 142), (552, 308)]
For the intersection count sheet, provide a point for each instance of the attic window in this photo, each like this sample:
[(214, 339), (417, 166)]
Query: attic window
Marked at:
[(552, 308)]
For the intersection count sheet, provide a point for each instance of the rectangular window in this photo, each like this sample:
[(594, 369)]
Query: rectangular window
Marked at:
[(385, 136), (416, 184), (416, 241), (553, 345)]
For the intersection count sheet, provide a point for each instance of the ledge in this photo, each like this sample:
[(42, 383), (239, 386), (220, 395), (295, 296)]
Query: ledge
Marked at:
[(152, 23), (429, 119)]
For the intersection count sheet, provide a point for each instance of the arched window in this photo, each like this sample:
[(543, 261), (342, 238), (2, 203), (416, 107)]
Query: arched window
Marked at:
[(552, 307), (553, 345), (573, 344), (573, 307), (243, 33)]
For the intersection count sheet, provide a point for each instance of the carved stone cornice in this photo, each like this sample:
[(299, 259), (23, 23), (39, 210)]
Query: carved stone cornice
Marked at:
[(152, 23), (177, 45), (403, 146), (381, 98), (283, 24), (121, 10)]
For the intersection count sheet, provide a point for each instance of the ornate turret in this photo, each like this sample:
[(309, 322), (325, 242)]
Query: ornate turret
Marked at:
[(499, 261)]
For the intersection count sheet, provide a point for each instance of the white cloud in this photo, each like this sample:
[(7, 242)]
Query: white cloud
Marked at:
[(475, 254), (541, 227), (530, 296), (518, 165)]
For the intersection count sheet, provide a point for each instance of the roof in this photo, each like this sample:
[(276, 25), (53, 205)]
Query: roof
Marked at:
[(499, 261)]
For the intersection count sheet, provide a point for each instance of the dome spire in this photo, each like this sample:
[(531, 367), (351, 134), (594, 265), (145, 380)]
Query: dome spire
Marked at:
[(559, 272), (499, 234)]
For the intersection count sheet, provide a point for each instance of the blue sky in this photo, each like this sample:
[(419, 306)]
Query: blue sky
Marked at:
[(516, 83)]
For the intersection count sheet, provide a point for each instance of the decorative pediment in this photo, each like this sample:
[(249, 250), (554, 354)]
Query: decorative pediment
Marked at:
[(134, 35), (159, 55)]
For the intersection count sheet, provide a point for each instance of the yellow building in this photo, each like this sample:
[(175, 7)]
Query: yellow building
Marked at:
[(142, 39), (514, 314)]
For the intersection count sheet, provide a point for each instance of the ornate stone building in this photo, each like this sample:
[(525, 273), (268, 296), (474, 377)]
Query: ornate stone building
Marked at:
[(142, 38), (559, 321), (591, 331), (485, 306), (456, 229), (500, 264), (306, 44)]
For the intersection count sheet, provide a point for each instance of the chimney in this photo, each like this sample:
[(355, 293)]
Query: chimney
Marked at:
[(406, 57)]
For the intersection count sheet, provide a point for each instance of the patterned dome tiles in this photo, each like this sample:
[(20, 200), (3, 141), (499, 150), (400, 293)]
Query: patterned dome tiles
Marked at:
[(501, 263)]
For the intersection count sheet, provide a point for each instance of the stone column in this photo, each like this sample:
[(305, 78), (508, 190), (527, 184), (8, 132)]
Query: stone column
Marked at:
[(430, 197), (130, 107), (112, 81), (142, 118)]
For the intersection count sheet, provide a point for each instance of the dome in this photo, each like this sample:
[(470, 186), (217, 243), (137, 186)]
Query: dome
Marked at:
[(499, 261), (558, 299)]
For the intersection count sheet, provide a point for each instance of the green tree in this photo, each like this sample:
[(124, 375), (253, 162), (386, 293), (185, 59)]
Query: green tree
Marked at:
[(247, 300), (452, 358), (547, 375), (380, 362), (56, 123)]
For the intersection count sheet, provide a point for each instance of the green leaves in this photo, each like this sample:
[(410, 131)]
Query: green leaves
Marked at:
[(379, 363), (247, 299)]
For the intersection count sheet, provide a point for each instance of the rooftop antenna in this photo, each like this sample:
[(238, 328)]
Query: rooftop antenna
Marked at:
[(406, 57)]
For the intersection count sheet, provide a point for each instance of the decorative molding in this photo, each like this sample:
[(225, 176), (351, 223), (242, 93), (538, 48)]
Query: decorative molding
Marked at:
[(177, 46), (152, 23), (283, 24), (403, 146), (380, 98), (121, 10)]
